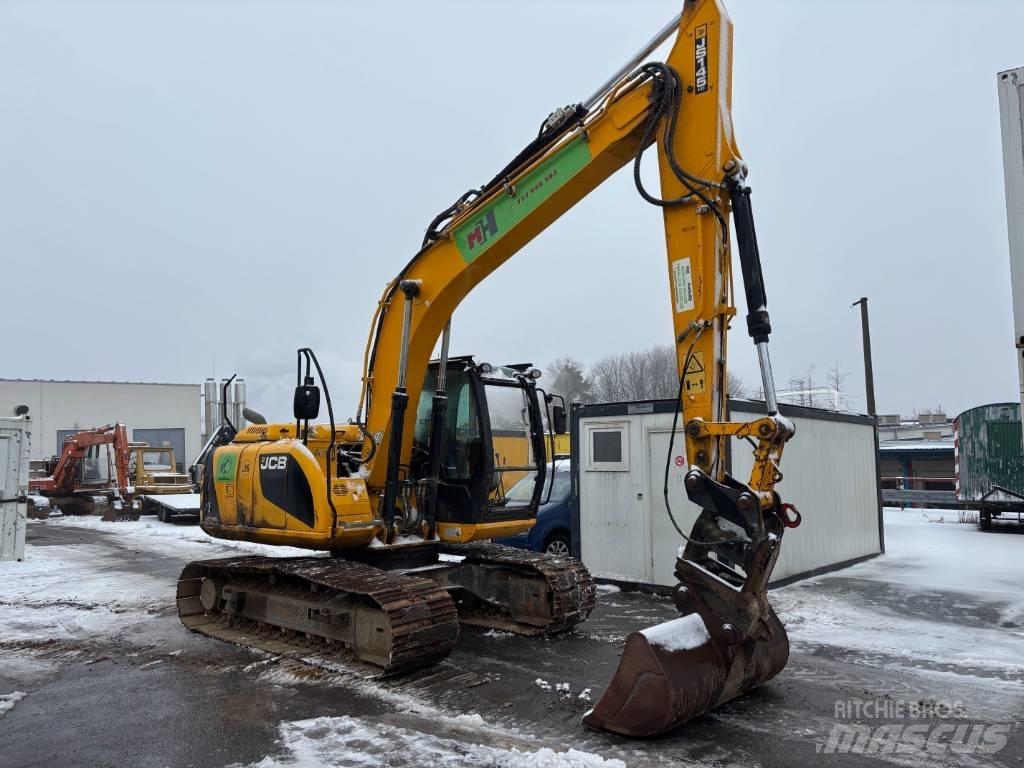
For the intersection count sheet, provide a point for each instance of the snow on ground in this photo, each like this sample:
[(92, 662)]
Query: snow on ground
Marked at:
[(930, 585), (79, 591), (8, 700), (351, 741), (61, 593), (172, 540)]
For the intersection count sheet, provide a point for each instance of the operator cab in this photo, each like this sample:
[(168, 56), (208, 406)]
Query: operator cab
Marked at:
[(493, 437)]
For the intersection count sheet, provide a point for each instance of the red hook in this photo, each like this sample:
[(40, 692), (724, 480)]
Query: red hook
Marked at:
[(787, 520)]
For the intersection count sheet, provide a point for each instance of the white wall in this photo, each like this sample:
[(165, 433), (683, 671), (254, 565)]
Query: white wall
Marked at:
[(626, 533), (55, 405)]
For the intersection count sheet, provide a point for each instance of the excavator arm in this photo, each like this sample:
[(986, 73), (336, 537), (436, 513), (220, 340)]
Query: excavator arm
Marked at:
[(684, 106)]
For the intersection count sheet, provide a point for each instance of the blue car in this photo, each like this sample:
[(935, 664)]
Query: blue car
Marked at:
[(553, 530)]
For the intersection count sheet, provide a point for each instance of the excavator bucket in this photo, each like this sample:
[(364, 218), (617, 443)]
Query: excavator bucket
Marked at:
[(673, 672), (728, 639), (120, 512)]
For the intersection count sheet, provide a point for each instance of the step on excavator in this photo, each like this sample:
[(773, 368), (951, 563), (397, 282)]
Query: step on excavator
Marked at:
[(407, 495)]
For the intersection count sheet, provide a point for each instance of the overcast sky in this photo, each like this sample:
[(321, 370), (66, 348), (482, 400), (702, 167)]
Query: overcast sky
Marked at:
[(198, 187)]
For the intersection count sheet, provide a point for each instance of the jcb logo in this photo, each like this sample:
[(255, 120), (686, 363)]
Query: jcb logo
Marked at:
[(273, 462)]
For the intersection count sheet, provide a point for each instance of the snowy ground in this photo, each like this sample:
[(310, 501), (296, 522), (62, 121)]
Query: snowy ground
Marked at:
[(88, 630), (900, 606)]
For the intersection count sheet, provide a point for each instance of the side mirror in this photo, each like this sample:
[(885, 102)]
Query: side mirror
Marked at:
[(253, 417), (307, 401), (558, 421)]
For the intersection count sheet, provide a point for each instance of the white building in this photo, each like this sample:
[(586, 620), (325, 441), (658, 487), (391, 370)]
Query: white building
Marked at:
[(158, 414), (623, 531)]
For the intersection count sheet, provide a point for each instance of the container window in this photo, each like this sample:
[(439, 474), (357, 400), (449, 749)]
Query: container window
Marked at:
[(607, 447)]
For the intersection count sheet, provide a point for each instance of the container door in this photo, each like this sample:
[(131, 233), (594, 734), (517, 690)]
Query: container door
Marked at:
[(614, 536)]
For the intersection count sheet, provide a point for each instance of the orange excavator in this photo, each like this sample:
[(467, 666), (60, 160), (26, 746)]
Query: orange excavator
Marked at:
[(408, 499), (78, 475)]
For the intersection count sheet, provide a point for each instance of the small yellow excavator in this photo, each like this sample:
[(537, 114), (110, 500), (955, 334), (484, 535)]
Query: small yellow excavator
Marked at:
[(407, 498)]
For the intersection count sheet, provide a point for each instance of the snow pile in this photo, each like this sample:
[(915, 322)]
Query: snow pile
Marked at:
[(471, 720), (350, 741), (680, 634), (608, 589), (8, 700), (549, 758), (562, 689), (499, 634)]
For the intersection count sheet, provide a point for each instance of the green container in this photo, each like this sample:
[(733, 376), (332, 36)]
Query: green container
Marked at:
[(989, 451)]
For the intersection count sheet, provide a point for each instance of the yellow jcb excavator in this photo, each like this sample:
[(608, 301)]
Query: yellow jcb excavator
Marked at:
[(407, 498)]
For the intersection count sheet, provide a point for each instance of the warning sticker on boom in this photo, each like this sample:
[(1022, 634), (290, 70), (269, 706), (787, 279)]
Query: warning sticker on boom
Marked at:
[(694, 381), (682, 284)]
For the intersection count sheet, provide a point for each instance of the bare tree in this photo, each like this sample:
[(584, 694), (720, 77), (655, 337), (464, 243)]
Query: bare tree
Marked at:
[(607, 377), (649, 374), (664, 373), (736, 387), (836, 380), (800, 387)]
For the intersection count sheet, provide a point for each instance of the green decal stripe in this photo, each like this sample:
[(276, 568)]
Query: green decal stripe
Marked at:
[(487, 225), (226, 464)]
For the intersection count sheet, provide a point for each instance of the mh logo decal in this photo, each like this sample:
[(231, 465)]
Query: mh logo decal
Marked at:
[(485, 228)]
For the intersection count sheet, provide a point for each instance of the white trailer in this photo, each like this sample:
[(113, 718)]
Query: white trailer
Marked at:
[(15, 437), (622, 530), (1011, 120)]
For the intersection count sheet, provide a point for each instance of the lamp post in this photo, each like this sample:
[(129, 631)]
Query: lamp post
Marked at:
[(869, 377)]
